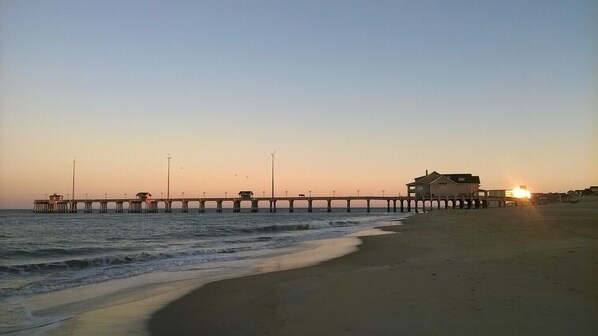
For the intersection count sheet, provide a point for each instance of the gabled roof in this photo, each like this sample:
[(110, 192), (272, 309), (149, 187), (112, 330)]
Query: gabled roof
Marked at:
[(442, 178), (457, 178), (464, 178), (426, 178), (246, 192)]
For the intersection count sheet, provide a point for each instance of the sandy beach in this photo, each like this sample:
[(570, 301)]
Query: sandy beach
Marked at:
[(527, 270)]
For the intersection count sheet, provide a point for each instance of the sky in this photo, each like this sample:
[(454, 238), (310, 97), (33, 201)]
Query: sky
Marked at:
[(352, 95)]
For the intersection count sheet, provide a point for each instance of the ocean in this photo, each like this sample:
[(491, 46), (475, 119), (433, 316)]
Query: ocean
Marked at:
[(44, 255)]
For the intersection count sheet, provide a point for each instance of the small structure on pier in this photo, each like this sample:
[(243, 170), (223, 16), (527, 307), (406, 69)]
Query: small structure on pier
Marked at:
[(245, 194), (136, 205), (55, 198), (143, 196)]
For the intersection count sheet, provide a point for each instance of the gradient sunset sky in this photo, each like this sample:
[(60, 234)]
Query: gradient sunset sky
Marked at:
[(351, 94)]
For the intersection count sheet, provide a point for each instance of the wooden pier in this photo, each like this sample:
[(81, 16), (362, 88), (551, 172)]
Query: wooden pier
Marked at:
[(198, 204)]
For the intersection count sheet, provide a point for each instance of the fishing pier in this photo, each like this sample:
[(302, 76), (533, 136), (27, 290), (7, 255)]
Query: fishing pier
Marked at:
[(455, 191), (199, 204)]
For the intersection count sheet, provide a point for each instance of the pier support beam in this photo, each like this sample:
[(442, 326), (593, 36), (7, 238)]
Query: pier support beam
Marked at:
[(218, 206), (367, 201), (402, 207), (185, 206), (119, 207), (202, 206), (103, 207), (291, 206), (254, 206), (348, 205), (329, 205), (236, 206), (151, 207), (387, 205), (310, 207), (394, 205)]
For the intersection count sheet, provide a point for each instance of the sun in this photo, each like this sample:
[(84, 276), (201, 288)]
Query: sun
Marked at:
[(521, 192)]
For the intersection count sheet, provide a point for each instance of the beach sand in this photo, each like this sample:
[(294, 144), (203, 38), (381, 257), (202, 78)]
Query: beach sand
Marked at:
[(526, 270)]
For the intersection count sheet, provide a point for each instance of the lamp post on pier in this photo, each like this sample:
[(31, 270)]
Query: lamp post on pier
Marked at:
[(168, 178), (74, 161), (272, 154)]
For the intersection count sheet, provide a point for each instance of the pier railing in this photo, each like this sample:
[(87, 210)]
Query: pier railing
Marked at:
[(187, 204)]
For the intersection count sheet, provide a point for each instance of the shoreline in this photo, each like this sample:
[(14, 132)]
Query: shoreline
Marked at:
[(124, 306), (516, 270)]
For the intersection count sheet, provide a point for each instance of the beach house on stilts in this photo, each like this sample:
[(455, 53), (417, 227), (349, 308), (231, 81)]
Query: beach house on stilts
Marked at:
[(461, 188)]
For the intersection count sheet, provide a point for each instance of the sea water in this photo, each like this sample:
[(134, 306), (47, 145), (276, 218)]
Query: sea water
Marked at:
[(45, 254)]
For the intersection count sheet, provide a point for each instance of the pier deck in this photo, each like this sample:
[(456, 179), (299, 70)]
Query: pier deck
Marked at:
[(135, 205)]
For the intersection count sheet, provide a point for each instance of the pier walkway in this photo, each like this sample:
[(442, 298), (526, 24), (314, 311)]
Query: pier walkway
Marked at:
[(187, 204)]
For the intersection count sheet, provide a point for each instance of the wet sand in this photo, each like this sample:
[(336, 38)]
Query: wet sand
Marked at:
[(527, 270)]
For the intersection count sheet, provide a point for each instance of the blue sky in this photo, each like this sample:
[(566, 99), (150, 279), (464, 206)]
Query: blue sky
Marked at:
[(368, 91)]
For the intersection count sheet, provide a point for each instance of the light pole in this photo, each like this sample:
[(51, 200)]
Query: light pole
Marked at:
[(225, 194), (125, 195), (333, 193), (105, 195), (310, 193), (204, 194), (272, 154), (74, 161), (286, 193), (168, 179), (382, 192), (357, 192), (263, 193), (183, 194)]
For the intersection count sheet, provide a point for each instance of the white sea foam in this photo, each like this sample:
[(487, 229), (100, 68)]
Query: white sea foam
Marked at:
[(152, 258)]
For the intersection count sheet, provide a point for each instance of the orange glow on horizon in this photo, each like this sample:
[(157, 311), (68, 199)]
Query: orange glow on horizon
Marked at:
[(521, 192)]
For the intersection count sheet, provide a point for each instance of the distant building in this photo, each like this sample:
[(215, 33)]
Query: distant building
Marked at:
[(444, 185), (246, 194)]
